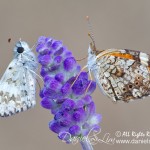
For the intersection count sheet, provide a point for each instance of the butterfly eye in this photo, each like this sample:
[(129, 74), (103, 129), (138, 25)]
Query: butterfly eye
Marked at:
[(20, 49), (92, 52)]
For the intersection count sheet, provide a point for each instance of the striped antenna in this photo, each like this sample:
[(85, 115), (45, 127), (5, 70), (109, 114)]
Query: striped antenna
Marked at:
[(91, 35)]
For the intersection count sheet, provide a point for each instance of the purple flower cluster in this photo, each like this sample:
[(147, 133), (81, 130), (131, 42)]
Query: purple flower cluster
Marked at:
[(69, 101)]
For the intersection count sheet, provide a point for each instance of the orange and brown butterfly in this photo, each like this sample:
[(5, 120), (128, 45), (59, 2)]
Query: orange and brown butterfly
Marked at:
[(121, 74)]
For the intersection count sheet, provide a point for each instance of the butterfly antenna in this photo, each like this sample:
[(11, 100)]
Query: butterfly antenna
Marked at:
[(78, 75), (10, 40), (89, 83), (34, 46), (38, 84), (91, 35), (20, 40), (36, 75)]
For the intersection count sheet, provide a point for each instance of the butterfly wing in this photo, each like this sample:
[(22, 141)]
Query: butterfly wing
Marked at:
[(17, 89), (123, 74)]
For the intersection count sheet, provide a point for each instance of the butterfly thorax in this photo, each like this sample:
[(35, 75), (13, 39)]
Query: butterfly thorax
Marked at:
[(91, 59)]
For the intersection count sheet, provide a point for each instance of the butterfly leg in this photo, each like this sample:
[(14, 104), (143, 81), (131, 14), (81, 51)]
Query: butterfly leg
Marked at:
[(35, 73), (78, 76), (89, 83)]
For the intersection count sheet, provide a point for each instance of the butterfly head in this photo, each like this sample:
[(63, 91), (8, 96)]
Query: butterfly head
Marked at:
[(91, 57), (21, 47), (24, 54)]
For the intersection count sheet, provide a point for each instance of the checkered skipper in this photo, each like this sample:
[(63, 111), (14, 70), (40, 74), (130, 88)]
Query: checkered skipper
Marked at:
[(17, 85)]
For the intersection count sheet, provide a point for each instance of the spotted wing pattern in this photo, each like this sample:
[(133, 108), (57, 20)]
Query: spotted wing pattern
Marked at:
[(17, 89), (123, 75)]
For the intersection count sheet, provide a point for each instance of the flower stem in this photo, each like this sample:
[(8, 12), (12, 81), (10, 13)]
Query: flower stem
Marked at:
[(86, 145)]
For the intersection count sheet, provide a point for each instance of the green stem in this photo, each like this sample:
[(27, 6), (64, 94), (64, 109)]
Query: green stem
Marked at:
[(86, 145)]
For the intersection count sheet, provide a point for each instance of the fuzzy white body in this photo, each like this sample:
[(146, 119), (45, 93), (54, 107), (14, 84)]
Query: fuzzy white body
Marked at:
[(93, 66)]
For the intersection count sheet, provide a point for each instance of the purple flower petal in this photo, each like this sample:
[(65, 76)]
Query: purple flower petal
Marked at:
[(52, 84), (66, 88), (44, 60), (59, 52), (53, 68), (65, 136), (56, 44), (55, 126), (41, 39), (68, 105), (92, 88), (87, 99), (68, 54), (95, 119), (44, 71), (74, 130), (79, 115), (46, 103), (80, 86), (60, 101), (69, 63), (58, 59), (90, 108), (40, 48), (79, 104), (59, 77)]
